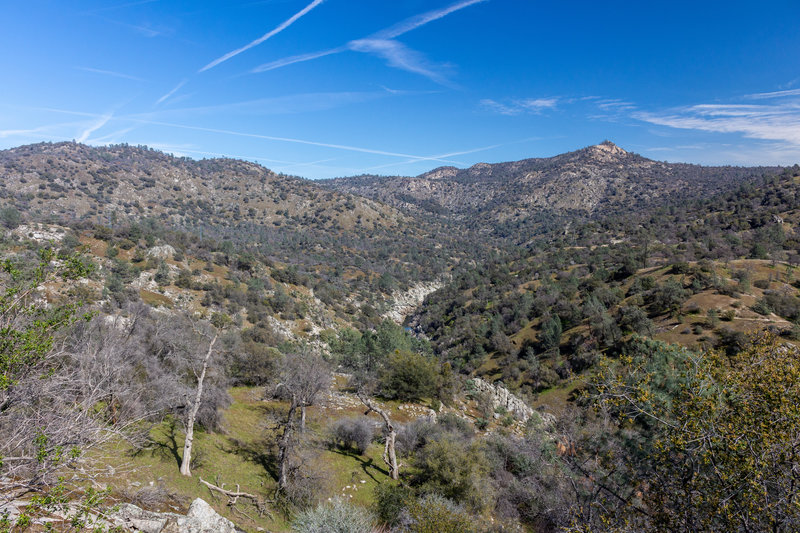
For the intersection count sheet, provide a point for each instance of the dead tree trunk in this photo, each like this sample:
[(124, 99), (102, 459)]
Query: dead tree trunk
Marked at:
[(389, 455), (284, 446), (192, 415)]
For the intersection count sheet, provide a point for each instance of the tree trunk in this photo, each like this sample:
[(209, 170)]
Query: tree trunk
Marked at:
[(303, 418), (389, 455), (187, 444), (284, 445)]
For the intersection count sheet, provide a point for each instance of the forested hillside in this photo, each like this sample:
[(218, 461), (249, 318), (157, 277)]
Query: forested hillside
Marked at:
[(699, 275), (590, 342), (512, 200)]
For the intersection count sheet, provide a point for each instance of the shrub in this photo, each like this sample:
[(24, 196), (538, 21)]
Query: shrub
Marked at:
[(634, 320), (761, 283), (453, 468), (761, 307), (408, 376), (435, 514), (667, 297), (162, 276), (784, 305), (336, 516), (415, 434), (390, 501), (184, 279), (254, 365), (355, 433), (10, 217), (103, 233), (681, 267)]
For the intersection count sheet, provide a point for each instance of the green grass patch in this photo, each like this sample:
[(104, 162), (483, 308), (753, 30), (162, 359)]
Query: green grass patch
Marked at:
[(242, 455), (155, 299)]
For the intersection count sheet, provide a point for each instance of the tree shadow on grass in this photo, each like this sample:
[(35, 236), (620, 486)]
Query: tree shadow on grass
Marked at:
[(366, 464), (259, 452), (164, 444)]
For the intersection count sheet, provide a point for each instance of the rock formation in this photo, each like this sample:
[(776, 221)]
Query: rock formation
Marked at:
[(201, 518)]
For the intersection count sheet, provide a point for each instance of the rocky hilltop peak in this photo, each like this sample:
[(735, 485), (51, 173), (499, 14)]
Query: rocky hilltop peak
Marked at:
[(504, 197), (441, 173), (607, 148)]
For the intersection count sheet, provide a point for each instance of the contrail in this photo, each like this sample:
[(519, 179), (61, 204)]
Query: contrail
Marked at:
[(110, 73), (440, 157), (420, 20), (280, 139), (384, 35), (250, 135), (297, 59), (102, 121), (264, 37), (173, 91)]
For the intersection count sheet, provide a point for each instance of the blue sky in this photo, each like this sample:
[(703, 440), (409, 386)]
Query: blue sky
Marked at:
[(324, 88)]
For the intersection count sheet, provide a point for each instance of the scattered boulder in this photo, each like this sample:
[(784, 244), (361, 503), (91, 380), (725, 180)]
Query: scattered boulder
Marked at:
[(201, 518), (501, 397), (41, 233), (161, 252)]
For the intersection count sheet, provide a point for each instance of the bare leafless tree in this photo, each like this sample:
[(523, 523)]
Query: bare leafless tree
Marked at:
[(76, 397), (304, 375), (191, 414)]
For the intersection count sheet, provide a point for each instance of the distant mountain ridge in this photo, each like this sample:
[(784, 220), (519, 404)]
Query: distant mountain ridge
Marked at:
[(75, 181), (591, 181)]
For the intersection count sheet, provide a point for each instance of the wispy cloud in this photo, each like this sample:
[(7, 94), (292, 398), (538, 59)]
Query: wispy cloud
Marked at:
[(406, 92), (520, 106), (771, 122), (96, 125), (110, 73), (774, 94), (171, 92), (398, 55), (264, 37), (384, 45), (615, 104)]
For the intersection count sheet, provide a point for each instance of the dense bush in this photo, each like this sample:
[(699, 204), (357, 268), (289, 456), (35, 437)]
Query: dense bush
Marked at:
[(408, 376), (336, 516), (435, 514), (455, 469), (354, 433)]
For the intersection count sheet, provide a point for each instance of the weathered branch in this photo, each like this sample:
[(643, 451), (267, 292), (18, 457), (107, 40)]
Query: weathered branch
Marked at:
[(389, 455), (234, 495)]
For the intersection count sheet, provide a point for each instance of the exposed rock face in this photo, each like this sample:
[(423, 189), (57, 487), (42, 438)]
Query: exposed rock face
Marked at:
[(161, 252), (501, 397), (406, 302), (40, 232), (201, 518)]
